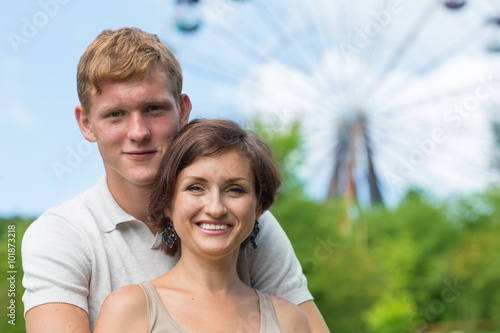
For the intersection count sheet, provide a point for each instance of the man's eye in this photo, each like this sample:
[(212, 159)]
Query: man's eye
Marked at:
[(153, 108), (115, 114)]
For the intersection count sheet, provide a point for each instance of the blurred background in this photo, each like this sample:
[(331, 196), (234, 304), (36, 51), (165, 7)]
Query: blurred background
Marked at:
[(383, 115)]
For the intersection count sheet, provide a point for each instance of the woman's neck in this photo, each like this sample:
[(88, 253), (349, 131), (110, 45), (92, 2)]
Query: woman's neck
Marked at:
[(207, 275)]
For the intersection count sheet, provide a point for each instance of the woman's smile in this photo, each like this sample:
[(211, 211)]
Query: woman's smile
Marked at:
[(214, 228)]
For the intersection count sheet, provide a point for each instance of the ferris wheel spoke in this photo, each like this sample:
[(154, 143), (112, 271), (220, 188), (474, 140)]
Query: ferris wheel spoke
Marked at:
[(391, 150), (404, 137), (305, 17), (208, 68), (366, 58), (405, 83), (495, 5), (288, 37), (274, 24), (425, 100), (325, 47), (230, 36), (207, 72), (202, 70), (474, 165), (400, 51), (346, 21), (213, 63), (378, 43)]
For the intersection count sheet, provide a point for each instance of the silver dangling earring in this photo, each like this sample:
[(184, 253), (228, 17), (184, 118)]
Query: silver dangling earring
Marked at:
[(255, 233), (169, 234)]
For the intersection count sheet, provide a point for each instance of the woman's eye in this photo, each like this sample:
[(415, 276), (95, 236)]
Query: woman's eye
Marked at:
[(237, 190), (194, 188)]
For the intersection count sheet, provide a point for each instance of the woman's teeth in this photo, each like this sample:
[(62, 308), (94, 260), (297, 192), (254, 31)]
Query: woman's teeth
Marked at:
[(208, 226)]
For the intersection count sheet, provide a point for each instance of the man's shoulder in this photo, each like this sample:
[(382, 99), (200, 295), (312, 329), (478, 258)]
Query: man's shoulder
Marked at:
[(74, 211), (267, 217), (71, 223)]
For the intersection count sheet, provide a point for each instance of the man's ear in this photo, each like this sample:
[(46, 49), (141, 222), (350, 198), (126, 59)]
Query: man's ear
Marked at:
[(83, 120), (185, 110)]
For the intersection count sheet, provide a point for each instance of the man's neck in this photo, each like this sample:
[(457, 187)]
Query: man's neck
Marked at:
[(132, 198)]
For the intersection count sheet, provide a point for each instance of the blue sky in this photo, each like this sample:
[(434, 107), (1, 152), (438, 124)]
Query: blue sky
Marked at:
[(46, 160), (38, 93)]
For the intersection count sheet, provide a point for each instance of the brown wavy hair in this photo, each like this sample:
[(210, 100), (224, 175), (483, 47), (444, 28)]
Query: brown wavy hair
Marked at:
[(123, 55), (202, 138)]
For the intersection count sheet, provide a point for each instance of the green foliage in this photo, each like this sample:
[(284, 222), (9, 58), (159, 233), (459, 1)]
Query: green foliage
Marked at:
[(390, 313), (495, 126), (392, 270), (12, 314)]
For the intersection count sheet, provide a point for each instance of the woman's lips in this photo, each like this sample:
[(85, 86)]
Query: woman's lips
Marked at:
[(211, 228)]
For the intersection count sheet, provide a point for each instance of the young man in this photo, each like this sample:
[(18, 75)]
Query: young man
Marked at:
[(129, 85)]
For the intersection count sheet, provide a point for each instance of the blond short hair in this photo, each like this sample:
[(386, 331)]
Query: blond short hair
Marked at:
[(122, 55)]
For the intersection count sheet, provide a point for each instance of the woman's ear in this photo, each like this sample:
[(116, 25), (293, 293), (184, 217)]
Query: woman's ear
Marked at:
[(168, 213), (258, 212)]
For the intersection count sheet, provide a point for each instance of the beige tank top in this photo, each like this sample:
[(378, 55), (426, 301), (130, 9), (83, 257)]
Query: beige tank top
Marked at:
[(159, 319)]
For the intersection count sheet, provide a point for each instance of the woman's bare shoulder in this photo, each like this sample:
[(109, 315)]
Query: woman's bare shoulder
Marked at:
[(290, 317), (124, 310)]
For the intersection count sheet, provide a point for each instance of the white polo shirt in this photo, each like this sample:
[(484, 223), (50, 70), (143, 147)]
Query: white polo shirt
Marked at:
[(80, 251)]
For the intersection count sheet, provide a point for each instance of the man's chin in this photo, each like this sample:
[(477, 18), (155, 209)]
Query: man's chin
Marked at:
[(145, 180)]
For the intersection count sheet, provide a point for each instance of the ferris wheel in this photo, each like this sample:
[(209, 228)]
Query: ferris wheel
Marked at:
[(390, 94)]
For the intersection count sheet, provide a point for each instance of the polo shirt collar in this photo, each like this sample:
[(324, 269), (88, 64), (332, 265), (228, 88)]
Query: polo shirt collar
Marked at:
[(105, 208)]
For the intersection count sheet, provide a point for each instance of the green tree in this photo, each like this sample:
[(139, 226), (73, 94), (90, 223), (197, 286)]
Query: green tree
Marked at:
[(392, 270), (11, 232), (495, 127)]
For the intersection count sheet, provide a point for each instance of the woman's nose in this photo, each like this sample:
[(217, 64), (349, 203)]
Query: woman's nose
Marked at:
[(215, 206)]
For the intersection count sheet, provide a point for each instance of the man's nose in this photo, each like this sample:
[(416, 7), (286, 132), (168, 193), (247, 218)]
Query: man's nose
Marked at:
[(138, 127)]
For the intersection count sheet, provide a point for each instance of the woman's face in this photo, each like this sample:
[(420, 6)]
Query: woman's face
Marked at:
[(215, 204)]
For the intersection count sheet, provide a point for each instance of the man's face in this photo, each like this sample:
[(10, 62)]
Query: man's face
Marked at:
[(133, 124)]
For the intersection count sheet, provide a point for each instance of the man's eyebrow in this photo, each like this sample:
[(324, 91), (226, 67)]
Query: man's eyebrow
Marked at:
[(161, 101), (110, 106), (153, 101)]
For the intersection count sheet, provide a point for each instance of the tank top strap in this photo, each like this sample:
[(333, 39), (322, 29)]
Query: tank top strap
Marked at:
[(159, 319), (268, 319)]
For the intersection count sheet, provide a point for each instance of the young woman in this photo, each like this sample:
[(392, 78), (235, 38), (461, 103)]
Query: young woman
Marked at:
[(213, 185)]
